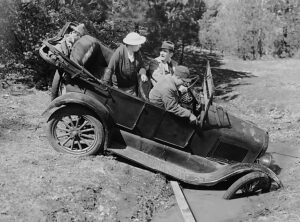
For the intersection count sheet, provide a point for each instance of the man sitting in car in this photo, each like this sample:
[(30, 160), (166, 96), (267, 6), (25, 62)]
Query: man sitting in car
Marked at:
[(163, 64), (165, 93)]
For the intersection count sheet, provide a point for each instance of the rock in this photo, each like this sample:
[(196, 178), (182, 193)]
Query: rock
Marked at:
[(5, 96)]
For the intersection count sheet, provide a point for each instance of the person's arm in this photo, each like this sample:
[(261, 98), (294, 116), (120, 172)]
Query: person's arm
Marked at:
[(153, 65), (142, 69), (173, 106), (109, 71)]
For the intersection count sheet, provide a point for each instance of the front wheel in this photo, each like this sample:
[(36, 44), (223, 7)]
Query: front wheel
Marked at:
[(249, 184), (76, 130)]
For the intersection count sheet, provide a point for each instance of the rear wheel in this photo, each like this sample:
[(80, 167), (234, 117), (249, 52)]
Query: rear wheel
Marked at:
[(76, 130), (249, 184)]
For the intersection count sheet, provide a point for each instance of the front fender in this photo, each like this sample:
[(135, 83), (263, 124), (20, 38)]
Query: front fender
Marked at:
[(80, 99), (240, 168)]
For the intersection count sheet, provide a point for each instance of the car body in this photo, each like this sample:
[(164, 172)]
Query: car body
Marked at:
[(92, 117)]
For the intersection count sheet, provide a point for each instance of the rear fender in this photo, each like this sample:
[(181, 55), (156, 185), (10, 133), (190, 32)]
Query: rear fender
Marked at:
[(80, 99)]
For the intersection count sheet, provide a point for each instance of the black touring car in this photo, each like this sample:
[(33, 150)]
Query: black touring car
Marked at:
[(91, 117)]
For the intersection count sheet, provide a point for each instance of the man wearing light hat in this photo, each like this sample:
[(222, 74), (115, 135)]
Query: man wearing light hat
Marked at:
[(165, 93), (162, 65), (126, 65)]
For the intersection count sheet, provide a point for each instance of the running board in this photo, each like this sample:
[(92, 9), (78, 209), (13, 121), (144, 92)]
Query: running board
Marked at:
[(158, 165), (183, 174)]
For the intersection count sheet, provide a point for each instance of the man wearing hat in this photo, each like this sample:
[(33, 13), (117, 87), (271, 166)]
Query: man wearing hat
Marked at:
[(126, 65), (165, 93), (162, 65), (65, 46)]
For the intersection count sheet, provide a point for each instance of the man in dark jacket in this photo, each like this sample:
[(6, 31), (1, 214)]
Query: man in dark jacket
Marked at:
[(166, 95), (163, 64)]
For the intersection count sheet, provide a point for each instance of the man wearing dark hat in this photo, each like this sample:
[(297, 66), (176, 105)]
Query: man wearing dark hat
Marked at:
[(166, 95), (162, 65)]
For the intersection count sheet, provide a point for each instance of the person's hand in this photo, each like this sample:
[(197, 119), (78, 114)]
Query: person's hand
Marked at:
[(144, 78), (182, 89), (193, 119), (104, 82)]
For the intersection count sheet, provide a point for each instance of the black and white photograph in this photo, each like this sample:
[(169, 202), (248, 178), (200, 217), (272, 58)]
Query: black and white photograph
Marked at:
[(149, 110)]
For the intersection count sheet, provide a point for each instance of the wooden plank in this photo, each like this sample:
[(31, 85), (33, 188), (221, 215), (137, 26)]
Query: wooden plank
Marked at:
[(182, 203)]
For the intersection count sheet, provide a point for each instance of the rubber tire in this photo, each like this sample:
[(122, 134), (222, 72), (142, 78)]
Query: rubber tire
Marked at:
[(101, 131), (264, 180)]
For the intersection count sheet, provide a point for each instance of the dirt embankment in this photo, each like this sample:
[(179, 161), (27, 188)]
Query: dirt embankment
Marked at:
[(39, 184)]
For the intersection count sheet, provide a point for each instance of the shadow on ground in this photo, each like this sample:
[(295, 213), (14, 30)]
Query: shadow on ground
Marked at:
[(224, 79)]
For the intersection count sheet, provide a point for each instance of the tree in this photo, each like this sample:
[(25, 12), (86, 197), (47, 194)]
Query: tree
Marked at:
[(174, 20), (287, 40), (208, 31), (245, 28)]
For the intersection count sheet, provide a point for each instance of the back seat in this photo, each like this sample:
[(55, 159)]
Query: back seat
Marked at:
[(90, 53)]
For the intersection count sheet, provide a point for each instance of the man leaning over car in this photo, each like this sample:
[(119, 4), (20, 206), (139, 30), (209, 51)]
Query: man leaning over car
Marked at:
[(165, 93)]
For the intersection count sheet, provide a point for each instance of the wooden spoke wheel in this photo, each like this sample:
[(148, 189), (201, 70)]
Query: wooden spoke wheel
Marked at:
[(249, 184), (77, 131)]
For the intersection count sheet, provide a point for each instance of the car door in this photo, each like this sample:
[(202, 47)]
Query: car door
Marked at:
[(149, 121)]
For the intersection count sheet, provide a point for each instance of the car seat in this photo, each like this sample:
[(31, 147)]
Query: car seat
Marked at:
[(90, 53)]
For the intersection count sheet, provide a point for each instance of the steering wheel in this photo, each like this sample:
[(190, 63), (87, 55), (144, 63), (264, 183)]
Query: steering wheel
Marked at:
[(194, 81)]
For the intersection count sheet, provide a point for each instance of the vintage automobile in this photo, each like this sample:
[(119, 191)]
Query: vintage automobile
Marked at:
[(91, 118)]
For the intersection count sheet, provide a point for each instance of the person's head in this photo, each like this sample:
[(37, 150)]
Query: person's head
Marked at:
[(80, 29), (181, 75), (166, 51), (77, 32), (134, 41)]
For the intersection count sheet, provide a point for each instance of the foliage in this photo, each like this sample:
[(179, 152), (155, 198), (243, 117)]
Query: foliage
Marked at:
[(29, 22), (252, 29), (208, 32), (174, 20), (249, 29), (288, 39), (25, 25)]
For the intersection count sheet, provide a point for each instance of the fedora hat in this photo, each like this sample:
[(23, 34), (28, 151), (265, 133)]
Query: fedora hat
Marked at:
[(134, 38), (168, 45), (182, 72)]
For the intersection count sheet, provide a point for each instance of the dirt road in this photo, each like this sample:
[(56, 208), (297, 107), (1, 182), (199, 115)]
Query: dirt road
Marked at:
[(39, 184), (270, 97)]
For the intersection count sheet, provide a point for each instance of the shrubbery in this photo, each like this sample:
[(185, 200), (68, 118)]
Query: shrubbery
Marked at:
[(26, 25), (241, 28), (29, 23)]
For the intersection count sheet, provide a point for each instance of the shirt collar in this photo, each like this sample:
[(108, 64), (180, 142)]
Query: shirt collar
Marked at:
[(159, 59)]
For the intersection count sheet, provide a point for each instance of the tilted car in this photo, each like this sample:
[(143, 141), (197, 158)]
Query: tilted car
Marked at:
[(91, 118)]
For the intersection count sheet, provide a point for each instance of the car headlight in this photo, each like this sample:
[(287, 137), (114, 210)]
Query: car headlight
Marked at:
[(266, 160)]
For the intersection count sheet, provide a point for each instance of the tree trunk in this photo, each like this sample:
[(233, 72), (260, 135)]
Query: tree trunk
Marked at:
[(136, 27), (182, 52)]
